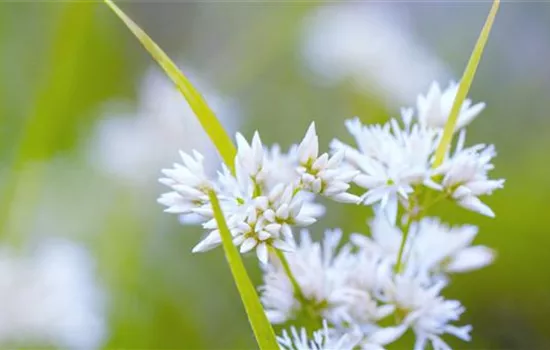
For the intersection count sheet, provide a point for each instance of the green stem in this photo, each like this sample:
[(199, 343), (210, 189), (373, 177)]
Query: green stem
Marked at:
[(405, 229), (284, 262), (428, 202), (310, 310)]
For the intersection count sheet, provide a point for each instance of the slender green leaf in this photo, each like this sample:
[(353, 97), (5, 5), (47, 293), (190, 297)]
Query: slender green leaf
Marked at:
[(206, 117), (465, 84), (52, 112), (256, 315)]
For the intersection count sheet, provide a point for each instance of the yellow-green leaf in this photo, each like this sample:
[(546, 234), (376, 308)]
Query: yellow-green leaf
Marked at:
[(256, 315), (206, 117), (464, 86), (261, 327)]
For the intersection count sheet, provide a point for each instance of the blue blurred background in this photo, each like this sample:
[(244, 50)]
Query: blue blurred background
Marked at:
[(87, 121)]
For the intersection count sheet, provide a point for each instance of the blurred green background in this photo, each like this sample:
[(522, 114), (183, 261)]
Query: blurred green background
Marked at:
[(66, 68)]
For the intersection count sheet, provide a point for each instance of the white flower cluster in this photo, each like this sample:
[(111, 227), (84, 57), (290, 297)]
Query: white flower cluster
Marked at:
[(269, 194), (50, 299), (367, 292), (395, 64), (396, 159), (132, 142), (355, 289)]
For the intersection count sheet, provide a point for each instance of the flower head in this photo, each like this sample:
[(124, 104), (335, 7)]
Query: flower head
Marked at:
[(426, 312), (432, 247), (465, 176), (324, 174), (320, 271), (190, 185), (434, 108), (391, 161), (270, 192), (50, 298), (396, 159)]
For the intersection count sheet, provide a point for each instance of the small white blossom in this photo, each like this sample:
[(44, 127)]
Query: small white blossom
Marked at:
[(323, 174), (391, 160), (426, 312), (438, 247), (434, 108), (465, 176), (250, 158), (50, 298), (323, 339), (267, 224), (190, 185), (432, 247), (281, 166), (362, 287), (320, 271)]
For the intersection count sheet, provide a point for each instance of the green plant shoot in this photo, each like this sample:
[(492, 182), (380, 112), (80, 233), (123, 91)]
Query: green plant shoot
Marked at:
[(464, 86)]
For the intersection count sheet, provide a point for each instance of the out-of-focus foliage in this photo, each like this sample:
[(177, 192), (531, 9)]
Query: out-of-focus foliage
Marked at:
[(62, 63)]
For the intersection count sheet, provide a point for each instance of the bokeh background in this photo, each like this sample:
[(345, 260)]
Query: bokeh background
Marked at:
[(87, 121)]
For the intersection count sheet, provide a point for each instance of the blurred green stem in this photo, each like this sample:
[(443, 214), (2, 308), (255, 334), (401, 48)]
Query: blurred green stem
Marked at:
[(284, 262), (43, 125), (405, 230), (310, 309)]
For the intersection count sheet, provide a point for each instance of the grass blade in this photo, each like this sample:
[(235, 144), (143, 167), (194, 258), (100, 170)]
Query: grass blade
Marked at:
[(256, 315), (465, 84), (261, 327), (206, 117)]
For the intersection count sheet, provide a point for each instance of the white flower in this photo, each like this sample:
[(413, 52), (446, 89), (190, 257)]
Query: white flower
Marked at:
[(323, 339), (323, 174), (437, 247), (190, 185), (432, 247), (261, 203), (359, 292), (250, 158), (426, 312), (49, 298), (281, 166), (319, 270), (391, 160), (465, 176), (132, 141), (371, 45), (434, 108), (256, 218), (258, 231)]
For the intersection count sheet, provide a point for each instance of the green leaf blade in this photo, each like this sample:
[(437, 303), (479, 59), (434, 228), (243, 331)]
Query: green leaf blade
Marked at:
[(261, 326), (256, 315), (464, 86), (204, 114)]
